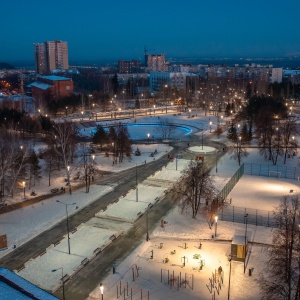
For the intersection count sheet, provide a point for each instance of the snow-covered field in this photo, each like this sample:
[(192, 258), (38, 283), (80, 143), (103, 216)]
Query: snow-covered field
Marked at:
[(250, 191)]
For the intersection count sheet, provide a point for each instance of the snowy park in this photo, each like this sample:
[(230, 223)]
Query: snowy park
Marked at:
[(184, 247)]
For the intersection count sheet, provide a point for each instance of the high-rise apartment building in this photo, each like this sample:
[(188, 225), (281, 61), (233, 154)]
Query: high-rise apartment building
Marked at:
[(128, 66), (51, 55), (156, 62)]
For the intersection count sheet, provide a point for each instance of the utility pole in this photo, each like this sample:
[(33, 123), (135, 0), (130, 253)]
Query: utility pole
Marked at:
[(136, 184)]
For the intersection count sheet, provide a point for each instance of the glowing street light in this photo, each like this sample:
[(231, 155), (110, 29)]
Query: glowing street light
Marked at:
[(101, 290), (216, 225), (69, 184), (24, 186), (148, 135), (210, 123)]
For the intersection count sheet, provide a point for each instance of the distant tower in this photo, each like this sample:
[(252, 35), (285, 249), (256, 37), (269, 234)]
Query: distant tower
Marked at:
[(51, 55), (23, 98)]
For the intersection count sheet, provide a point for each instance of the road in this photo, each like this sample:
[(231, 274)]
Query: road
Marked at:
[(87, 279)]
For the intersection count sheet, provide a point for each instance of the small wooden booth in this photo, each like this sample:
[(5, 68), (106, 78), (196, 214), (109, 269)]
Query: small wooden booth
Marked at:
[(239, 248)]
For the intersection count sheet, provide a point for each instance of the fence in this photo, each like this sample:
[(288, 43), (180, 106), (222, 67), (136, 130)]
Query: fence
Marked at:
[(271, 171), (232, 182), (256, 217)]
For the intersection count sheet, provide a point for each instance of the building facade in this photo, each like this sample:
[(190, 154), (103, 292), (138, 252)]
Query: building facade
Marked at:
[(51, 55), (128, 66), (56, 85), (156, 62)]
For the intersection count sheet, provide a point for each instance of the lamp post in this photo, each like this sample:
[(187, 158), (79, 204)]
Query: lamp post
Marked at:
[(101, 290), (81, 115), (245, 251), (148, 135), (202, 135), (221, 120), (216, 225), (62, 280), (24, 186), (216, 160), (67, 222), (69, 184), (229, 259), (210, 126), (136, 184), (147, 227)]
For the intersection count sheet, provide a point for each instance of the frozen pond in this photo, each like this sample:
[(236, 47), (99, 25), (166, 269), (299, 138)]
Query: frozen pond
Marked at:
[(143, 131)]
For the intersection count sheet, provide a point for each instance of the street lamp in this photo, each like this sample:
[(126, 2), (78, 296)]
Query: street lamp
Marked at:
[(136, 184), (69, 184), (221, 120), (24, 186), (148, 135), (62, 280), (81, 115), (210, 126), (101, 290), (216, 225), (147, 226), (245, 252), (229, 259), (216, 160), (66, 204)]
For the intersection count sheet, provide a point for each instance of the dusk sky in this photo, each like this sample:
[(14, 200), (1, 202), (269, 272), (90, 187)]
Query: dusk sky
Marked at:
[(99, 30)]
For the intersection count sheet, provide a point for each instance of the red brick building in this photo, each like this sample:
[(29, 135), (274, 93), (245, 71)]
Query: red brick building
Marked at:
[(56, 85)]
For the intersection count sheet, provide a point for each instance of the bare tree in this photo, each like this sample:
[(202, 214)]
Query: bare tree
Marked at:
[(196, 191), (86, 162), (281, 279), (289, 130), (63, 137), (165, 129), (12, 159)]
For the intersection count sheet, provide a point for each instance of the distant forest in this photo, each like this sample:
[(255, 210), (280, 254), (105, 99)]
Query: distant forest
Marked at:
[(7, 66)]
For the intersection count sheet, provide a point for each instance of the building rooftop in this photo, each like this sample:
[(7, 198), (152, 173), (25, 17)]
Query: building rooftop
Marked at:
[(12, 286), (55, 78), (41, 85)]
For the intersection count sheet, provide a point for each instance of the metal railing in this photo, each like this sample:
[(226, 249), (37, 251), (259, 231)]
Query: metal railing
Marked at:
[(256, 217), (271, 171), (232, 182)]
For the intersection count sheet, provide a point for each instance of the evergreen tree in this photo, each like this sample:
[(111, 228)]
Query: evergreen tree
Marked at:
[(34, 168), (232, 134), (100, 136)]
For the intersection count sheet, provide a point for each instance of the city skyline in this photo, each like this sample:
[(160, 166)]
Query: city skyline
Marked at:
[(118, 30)]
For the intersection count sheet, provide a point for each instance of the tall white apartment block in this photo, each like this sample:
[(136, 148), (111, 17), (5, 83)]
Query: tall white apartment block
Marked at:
[(276, 75), (51, 55)]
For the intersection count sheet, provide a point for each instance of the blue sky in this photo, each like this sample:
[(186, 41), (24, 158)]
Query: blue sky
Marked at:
[(115, 29)]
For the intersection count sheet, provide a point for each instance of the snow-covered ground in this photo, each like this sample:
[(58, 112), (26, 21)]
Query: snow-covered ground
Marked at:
[(179, 229)]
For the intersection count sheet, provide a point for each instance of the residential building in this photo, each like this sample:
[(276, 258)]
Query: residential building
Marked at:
[(51, 55), (178, 80), (276, 75), (128, 66), (156, 62)]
